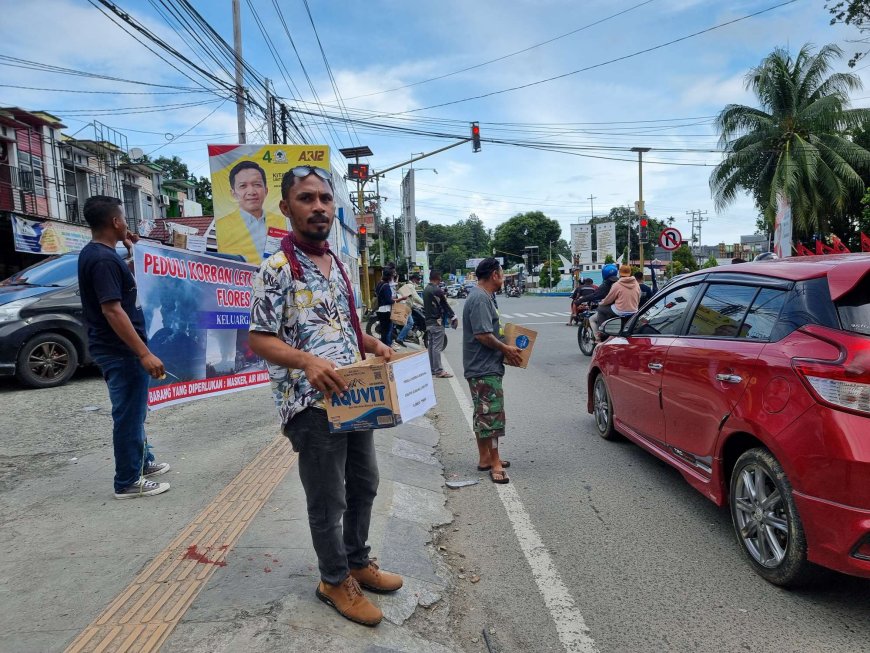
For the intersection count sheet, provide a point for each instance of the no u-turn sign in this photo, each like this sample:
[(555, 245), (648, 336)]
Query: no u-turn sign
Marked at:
[(670, 238)]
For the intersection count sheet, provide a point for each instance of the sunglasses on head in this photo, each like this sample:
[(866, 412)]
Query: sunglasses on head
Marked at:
[(304, 171)]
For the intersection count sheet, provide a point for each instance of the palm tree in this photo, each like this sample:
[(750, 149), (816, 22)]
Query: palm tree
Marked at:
[(795, 146)]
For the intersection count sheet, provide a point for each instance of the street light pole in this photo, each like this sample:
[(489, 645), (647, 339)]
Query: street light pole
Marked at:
[(641, 210)]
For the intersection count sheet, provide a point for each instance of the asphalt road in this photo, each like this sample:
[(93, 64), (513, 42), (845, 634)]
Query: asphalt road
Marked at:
[(650, 564)]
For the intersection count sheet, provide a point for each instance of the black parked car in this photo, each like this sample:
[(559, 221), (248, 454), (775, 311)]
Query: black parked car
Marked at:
[(42, 333)]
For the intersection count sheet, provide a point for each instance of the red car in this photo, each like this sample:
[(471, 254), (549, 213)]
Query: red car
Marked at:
[(754, 382)]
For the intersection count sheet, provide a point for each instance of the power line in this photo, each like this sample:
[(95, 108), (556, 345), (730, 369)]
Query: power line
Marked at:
[(506, 56), (594, 66), (15, 62), (329, 72), (302, 66), (191, 128)]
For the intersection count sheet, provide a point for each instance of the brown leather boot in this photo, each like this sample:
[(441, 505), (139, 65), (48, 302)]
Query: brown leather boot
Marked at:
[(376, 579), (348, 599)]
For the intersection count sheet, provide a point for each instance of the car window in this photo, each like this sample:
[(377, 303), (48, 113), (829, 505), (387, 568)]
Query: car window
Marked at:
[(764, 314), (721, 311), (854, 309), (59, 271), (665, 316)]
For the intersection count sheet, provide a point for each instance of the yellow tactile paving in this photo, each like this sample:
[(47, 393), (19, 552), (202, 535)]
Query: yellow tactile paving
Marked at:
[(143, 615)]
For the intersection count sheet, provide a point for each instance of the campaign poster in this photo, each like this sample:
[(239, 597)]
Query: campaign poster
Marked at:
[(197, 312), (246, 190), (581, 242), (605, 233), (47, 236)]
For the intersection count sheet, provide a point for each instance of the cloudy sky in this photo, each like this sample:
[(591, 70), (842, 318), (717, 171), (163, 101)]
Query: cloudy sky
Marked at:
[(414, 65)]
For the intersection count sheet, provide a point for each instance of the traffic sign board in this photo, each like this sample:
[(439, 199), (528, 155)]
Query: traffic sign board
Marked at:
[(670, 238)]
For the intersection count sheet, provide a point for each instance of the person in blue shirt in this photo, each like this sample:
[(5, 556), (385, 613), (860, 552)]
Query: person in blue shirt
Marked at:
[(118, 345)]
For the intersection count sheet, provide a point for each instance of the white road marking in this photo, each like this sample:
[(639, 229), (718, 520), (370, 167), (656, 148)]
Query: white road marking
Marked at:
[(505, 315), (536, 315), (531, 323), (520, 315), (570, 625)]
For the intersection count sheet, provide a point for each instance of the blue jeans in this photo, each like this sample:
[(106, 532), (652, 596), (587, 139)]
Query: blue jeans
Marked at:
[(339, 473), (128, 391), (408, 326)]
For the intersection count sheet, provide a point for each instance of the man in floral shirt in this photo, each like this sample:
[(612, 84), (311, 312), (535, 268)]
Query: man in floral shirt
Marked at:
[(304, 324)]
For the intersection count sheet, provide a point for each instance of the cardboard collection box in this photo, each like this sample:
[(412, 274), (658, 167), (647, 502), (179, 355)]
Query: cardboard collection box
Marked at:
[(519, 336), (400, 312), (382, 394)]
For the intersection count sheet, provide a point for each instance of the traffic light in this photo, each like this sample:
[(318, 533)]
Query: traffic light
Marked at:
[(475, 137), (359, 171), (362, 238), (643, 234)]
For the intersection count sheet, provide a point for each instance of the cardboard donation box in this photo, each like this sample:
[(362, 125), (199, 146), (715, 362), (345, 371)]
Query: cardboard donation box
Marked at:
[(382, 394), (521, 337), (400, 313)]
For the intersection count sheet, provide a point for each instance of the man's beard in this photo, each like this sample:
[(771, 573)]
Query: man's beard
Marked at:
[(309, 233)]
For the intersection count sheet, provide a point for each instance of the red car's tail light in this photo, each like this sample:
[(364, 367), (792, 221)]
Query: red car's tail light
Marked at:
[(842, 383)]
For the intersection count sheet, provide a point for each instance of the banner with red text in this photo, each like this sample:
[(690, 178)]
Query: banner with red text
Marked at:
[(197, 311)]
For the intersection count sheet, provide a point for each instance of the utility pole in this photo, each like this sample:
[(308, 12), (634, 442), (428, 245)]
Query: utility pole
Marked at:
[(270, 114), (284, 123), (641, 210), (591, 206), (378, 222), (697, 219), (240, 90)]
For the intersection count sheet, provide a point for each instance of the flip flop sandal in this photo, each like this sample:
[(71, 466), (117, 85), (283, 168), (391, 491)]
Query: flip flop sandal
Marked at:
[(501, 481), (504, 463)]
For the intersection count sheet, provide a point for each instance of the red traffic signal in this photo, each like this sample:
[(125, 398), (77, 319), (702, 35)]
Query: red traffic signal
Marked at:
[(362, 238), (643, 222), (475, 137), (643, 234), (358, 171), (362, 230)]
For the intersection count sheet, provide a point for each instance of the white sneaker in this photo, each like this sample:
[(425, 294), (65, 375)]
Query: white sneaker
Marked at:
[(142, 488), (395, 347), (155, 469)]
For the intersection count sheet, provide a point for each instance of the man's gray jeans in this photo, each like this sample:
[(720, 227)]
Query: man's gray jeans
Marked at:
[(339, 473), (436, 344)]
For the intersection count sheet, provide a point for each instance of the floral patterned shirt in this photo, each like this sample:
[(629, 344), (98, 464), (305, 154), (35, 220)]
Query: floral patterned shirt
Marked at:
[(310, 314)]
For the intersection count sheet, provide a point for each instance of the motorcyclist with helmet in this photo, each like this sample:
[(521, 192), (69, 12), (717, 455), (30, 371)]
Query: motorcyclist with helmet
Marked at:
[(609, 274)]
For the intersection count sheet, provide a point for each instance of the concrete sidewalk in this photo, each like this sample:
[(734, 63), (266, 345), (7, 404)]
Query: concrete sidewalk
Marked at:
[(68, 549)]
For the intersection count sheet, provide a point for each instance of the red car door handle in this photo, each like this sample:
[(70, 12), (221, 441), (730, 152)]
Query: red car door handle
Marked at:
[(655, 366), (729, 378)]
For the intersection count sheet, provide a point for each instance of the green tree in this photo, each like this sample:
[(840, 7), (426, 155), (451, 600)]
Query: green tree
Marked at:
[(795, 144), (550, 274), (524, 229), (203, 195), (174, 167), (673, 268), (851, 12), (710, 262), (609, 259), (684, 256)]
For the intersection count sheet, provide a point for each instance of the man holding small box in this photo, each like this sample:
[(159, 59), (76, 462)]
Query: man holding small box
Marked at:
[(483, 356), (304, 323)]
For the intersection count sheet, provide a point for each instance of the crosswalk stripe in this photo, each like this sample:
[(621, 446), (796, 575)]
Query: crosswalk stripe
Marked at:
[(506, 315), (537, 315), (520, 315)]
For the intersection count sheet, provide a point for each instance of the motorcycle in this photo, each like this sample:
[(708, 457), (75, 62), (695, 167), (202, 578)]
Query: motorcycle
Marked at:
[(585, 334), (417, 334), (513, 291)]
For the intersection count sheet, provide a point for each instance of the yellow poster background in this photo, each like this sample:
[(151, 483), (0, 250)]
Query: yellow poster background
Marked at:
[(232, 236)]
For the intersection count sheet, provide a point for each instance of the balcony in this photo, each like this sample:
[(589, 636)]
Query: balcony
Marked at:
[(18, 192)]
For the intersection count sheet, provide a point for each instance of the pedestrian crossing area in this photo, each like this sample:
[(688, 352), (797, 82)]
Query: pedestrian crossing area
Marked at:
[(524, 315)]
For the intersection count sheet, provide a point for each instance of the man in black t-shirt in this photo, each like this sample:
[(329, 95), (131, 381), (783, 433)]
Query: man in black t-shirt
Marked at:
[(117, 343)]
